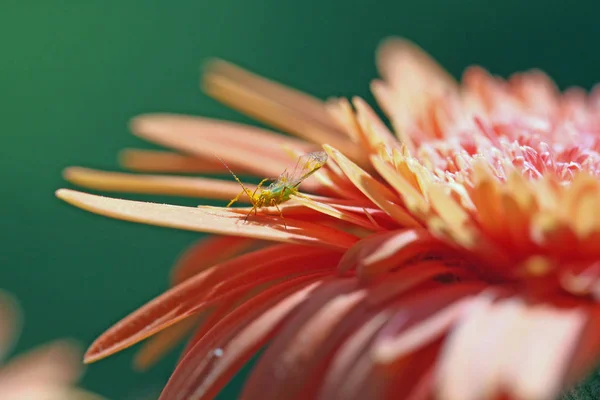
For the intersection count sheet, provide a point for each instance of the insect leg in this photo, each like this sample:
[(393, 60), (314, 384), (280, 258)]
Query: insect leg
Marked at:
[(274, 203), (236, 198)]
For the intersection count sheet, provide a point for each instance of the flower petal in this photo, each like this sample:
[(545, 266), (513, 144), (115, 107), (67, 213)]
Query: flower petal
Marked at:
[(265, 377), (142, 160), (299, 356), (250, 149), (504, 348), (216, 220), (217, 355), (280, 108), (336, 213), (219, 283), (155, 184), (377, 192), (161, 343)]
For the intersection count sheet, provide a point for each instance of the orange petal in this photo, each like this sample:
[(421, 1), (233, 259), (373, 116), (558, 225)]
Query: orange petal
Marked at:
[(279, 108), (168, 162), (161, 343), (215, 358), (336, 213), (414, 200), (374, 190), (222, 282), (250, 149), (206, 253), (303, 103), (374, 131), (209, 219), (155, 184)]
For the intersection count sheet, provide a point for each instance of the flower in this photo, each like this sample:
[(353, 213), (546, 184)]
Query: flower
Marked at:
[(46, 373), (456, 259)]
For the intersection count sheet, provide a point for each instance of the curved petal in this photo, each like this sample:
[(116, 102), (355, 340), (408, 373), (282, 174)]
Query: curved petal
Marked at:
[(205, 188), (242, 91), (251, 149), (161, 343), (219, 283), (217, 355), (156, 161), (210, 219), (377, 192), (299, 356)]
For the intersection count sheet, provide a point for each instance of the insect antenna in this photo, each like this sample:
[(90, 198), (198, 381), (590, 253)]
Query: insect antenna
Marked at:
[(245, 189)]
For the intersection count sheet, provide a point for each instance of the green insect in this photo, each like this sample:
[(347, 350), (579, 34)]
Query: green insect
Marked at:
[(285, 186)]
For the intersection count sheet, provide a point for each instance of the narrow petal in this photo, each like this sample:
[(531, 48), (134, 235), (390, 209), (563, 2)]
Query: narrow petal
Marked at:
[(204, 188), (224, 349), (214, 220), (374, 190), (336, 213), (251, 149), (300, 354), (303, 103), (249, 94), (392, 249), (161, 343), (338, 382), (265, 377), (154, 161), (224, 281), (414, 200)]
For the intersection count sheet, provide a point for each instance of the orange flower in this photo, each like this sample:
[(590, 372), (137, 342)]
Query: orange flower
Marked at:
[(455, 260), (46, 373)]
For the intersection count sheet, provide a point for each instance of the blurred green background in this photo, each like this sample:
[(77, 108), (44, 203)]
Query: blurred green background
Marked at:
[(73, 72)]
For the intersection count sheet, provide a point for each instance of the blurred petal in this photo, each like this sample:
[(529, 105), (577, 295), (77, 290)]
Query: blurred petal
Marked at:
[(52, 364), (280, 108), (221, 282), (216, 357), (155, 184), (254, 150), (168, 162)]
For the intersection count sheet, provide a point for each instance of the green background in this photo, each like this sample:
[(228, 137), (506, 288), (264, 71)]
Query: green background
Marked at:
[(72, 72)]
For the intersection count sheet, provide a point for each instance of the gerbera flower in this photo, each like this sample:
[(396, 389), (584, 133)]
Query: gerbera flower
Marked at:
[(46, 373), (456, 259)]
